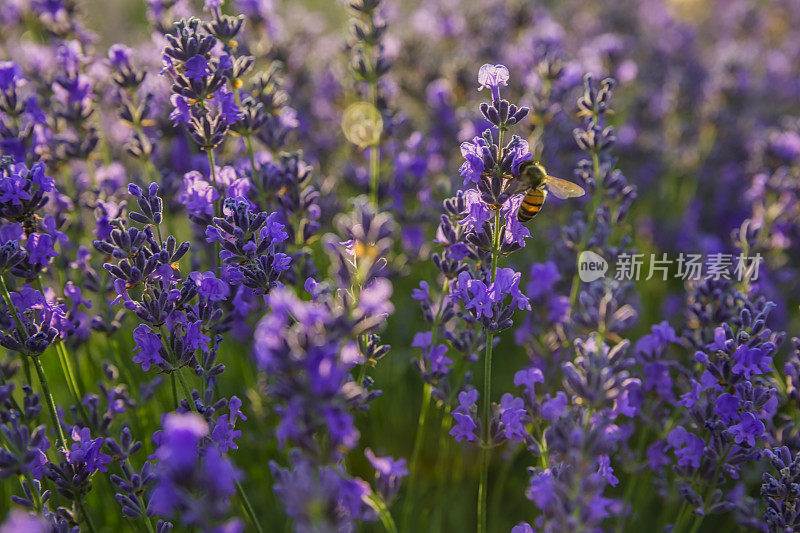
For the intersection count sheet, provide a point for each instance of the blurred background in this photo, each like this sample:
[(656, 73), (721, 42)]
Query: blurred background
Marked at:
[(706, 114)]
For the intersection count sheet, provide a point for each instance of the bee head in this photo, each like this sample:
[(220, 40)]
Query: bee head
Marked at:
[(532, 173)]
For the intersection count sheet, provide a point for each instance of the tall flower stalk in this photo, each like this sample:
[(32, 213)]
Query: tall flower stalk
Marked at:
[(479, 226)]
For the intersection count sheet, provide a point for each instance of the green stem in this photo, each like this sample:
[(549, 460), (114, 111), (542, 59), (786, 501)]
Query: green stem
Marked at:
[(174, 383), (147, 521), (37, 502), (66, 367), (419, 440), (487, 392), (51, 404), (379, 506), (212, 166), (248, 507), (252, 157), (698, 519), (595, 204), (247, 141), (185, 388), (374, 154), (12, 308), (86, 517)]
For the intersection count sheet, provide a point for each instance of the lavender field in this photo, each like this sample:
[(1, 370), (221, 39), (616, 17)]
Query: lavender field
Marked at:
[(333, 266)]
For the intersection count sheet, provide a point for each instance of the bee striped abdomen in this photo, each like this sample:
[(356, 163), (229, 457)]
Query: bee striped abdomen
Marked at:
[(531, 204)]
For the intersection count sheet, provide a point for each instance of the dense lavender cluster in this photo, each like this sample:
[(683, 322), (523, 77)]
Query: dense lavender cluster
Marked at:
[(378, 266)]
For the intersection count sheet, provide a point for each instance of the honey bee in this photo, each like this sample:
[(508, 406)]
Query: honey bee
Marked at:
[(533, 174)]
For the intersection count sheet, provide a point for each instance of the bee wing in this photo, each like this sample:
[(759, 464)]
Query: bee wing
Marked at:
[(562, 188)]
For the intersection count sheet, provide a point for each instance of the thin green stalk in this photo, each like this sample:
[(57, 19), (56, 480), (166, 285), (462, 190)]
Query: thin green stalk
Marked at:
[(146, 518), (595, 204), (66, 365), (374, 154), (37, 502), (217, 203), (86, 517), (698, 519), (245, 500), (69, 374), (174, 383), (12, 308), (212, 165), (152, 173), (51, 404), (248, 508), (487, 392), (185, 388), (247, 139), (419, 440), (379, 506)]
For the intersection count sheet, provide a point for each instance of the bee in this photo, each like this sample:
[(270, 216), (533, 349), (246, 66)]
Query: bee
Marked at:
[(533, 174)]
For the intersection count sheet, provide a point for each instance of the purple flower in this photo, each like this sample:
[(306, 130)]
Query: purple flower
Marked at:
[(478, 298), (195, 338), (516, 231), (464, 429), (12, 189), (86, 451), (542, 489), (281, 262), (274, 230), (388, 472), (751, 361), (341, 427), (521, 151), (423, 293), (209, 286), (374, 299), (656, 458), (657, 378), (558, 310), (197, 195), (148, 346), (544, 277), (604, 470), (179, 440), (688, 447), (512, 415), (196, 68), (747, 430), (40, 247), (228, 109), (554, 408), (181, 112), (225, 435), (493, 76), (473, 165), (119, 55), (727, 407), (476, 211), (22, 521), (439, 363), (10, 74), (528, 378), (506, 283)]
